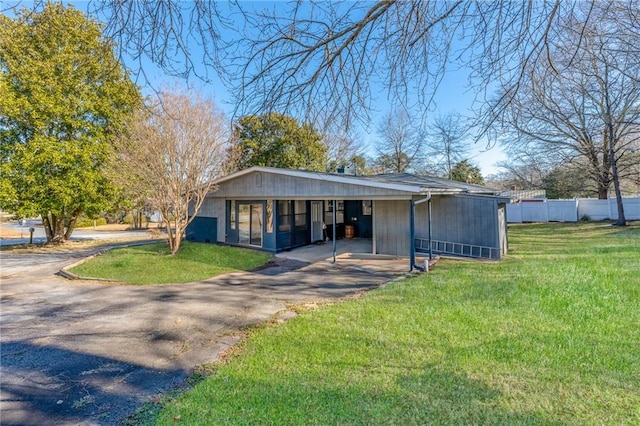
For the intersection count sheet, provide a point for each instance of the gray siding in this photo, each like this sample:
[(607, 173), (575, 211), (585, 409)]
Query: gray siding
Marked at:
[(259, 185), (392, 228), (213, 207), (464, 219), (460, 219)]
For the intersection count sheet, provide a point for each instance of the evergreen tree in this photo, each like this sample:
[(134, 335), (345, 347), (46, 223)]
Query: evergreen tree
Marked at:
[(63, 97), (276, 140), (466, 172)]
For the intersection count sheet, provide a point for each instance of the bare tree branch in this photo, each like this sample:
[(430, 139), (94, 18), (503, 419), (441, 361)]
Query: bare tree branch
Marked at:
[(301, 57), (585, 109), (171, 154), (400, 145)]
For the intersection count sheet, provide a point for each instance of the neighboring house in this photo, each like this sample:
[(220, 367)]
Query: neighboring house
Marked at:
[(278, 209)]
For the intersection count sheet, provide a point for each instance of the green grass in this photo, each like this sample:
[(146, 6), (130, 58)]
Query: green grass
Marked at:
[(153, 264), (550, 335)]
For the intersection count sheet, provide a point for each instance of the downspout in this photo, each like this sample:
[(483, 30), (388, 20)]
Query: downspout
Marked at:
[(412, 215)]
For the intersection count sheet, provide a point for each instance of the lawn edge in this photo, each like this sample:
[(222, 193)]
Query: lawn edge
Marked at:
[(64, 271)]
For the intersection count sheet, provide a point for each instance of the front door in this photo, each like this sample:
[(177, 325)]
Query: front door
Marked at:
[(317, 233)]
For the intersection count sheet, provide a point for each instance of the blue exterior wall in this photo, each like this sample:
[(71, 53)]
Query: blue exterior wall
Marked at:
[(232, 235), (202, 230)]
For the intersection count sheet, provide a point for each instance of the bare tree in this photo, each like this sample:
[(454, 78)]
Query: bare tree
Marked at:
[(343, 144), (399, 145), (166, 32), (335, 56), (342, 148), (586, 109), (523, 172), (171, 153), (311, 56), (447, 141), (303, 57)]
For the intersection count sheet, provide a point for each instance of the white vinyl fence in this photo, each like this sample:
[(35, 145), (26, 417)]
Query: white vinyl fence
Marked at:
[(572, 210)]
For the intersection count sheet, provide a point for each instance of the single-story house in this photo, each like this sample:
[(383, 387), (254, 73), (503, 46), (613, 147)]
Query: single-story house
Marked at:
[(278, 209)]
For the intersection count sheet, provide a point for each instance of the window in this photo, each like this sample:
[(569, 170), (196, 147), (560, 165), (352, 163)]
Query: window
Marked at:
[(339, 211), (284, 216), (301, 215), (366, 207), (244, 226), (256, 225), (232, 214), (269, 217), (328, 212)]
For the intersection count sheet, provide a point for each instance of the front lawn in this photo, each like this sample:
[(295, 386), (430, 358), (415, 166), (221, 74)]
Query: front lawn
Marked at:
[(153, 264), (550, 335)]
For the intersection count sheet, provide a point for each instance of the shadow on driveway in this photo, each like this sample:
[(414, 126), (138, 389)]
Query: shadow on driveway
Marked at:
[(89, 353), (50, 385)]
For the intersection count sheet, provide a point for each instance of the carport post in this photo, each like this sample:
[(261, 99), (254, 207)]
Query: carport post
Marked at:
[(412, 234), (429, 230), (333, 216)]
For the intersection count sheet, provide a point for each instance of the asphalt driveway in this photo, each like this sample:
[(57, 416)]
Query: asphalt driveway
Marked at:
[(78, 352)]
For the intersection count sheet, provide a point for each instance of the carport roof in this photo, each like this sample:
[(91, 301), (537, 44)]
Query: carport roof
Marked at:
[(398, 181)]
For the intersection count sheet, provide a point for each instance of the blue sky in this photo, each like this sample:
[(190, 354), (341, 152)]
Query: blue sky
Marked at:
[(451, 97)]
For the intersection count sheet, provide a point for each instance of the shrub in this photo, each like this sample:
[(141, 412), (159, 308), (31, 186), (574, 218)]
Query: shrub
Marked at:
[(585, 218), (86, 222)]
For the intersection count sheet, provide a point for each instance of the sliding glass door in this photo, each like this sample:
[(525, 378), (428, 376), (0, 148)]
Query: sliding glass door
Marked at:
[(250, 224)]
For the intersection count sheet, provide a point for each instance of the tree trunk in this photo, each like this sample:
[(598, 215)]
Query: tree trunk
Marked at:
[(177, 235), (173, 235), (55, 231), (602, 177), (71, 225), (167, 223), (46, 223), (622, 220), (136, 214), (603, 191)]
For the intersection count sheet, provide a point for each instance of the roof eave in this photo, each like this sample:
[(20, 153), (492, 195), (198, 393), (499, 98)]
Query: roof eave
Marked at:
[(308, 174)]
